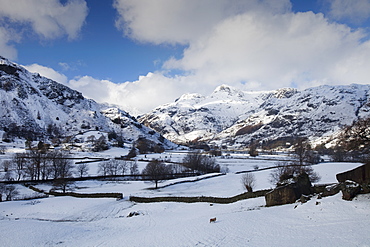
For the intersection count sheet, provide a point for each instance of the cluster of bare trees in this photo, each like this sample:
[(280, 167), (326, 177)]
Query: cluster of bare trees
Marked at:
[(114, 167), (98, 144), (145, 146), (199, 162), (157, 171), (39, 165), (354, 142)]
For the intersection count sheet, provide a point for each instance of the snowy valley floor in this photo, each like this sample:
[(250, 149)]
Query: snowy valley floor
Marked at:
[(67, 221), (102, 222)]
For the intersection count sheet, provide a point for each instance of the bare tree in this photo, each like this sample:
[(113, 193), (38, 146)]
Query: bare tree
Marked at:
[(303, 153), (82, 169), (113, 167), (304, 158), (248, 181), (62, 184), (156, 171), (123, 167), (10, 192), (45, 166), (36, 155), (103, 168), (8, 175), (134, 169), (20, 161), (109, 168), (6, 165), (61, 170), (61, 165), (2, 191)]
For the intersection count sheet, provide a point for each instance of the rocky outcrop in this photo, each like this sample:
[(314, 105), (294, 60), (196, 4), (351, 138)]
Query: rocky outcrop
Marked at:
[(350, 189), (289, 193), (355, 181), (359, 175)]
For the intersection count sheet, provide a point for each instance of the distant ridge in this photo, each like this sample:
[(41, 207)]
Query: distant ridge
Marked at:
[(229, 116)]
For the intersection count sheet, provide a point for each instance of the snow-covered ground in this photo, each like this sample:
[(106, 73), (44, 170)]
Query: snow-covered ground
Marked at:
[(68, 221)]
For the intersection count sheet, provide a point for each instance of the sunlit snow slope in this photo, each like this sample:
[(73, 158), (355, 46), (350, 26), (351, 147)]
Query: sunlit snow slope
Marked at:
[(231, 116)]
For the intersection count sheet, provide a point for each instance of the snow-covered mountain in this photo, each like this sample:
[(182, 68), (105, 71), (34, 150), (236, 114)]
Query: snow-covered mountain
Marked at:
[(236, 117), (33, 105)]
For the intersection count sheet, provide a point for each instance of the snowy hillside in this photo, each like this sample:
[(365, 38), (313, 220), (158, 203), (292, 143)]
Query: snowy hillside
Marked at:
[(235, 117), (32, 105)]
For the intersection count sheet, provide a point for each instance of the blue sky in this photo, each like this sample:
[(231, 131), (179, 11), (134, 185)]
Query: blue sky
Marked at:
[(100, 51), (142, 53)]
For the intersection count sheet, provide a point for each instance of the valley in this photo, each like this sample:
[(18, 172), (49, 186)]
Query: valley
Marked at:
[(64, 159)]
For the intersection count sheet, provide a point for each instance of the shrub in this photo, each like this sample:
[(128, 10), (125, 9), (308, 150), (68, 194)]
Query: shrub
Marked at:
[(248, 181), (286, 171)]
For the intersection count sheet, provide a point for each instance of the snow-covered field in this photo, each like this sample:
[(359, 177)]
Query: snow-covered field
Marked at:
[(68, 221)]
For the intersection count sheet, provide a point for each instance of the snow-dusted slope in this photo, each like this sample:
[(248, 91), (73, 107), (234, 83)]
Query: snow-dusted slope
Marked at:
[(195, 116), (232, 116), (33, 104)]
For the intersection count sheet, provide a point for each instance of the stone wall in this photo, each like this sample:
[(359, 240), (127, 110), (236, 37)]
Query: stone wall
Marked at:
[(193, 199)]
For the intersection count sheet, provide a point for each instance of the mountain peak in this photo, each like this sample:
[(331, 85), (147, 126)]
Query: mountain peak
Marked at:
[(227, 90), (224, 88), (190, 97), (4, 61), (229, 115), (285, 92)]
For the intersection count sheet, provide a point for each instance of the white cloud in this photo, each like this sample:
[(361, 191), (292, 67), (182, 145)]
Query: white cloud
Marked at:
[(64, 66), (6, 36), (182, 21), (354, 11), (47, 72), (136, 97), (276, 51), (49, 19), (256, 44), (252, 44)]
